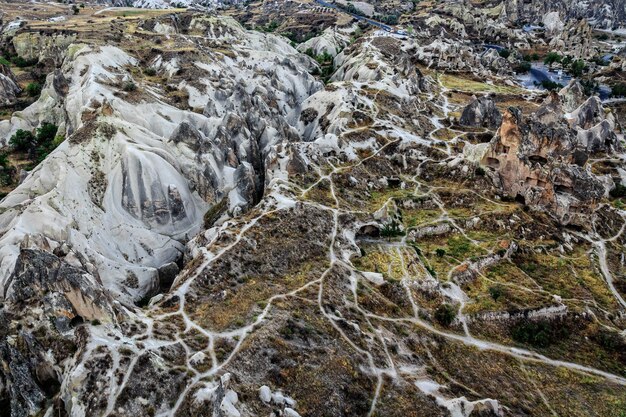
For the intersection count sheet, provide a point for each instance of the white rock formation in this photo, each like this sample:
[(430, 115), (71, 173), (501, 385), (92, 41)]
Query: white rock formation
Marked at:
[(331, 42), (130, 186)]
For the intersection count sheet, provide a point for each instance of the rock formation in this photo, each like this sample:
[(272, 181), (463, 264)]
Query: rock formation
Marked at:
[(605, 13), (574, 40), (481, 112), (8, 87), (544, 164), (222, 232)]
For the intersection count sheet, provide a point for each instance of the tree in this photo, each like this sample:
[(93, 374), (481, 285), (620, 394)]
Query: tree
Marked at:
[(523, 66), (577, 67), (22, 141), (6, 170), (445, 314), (590, 87), (47, 141), (552, 58), (504, 53), (551, 85), (618, 90), (46, 133), (38, 146)]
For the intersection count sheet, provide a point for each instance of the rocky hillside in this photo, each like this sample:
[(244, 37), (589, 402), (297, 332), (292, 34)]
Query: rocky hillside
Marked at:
[(206, 220), (605, 14)]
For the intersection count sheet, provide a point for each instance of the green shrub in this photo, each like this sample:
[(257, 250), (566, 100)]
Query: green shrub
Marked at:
[(551, 85), (610, 340), (590, 87), (20, 62), (445, 314), (39, 145), (440, 252), (129, 86), (618, 90), (459, 246), (47, 132), (531, 57), (390, 19), (618, 192), (523, 66), (566, 61), (6, 170), (504, 53), (496, 292), (33, 89), (270, 27), (47, 141), (539, 334), (392, 229), (151, 72)]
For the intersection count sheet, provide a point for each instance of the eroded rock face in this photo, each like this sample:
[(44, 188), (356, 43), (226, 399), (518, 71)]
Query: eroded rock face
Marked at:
[(605, 13), (452, 56), (572, 96), (329, 42), (71, 291), (142, 166), (481, 112), (574, 40), (543, 165), (36, 46), (9, 89), (552, 24)]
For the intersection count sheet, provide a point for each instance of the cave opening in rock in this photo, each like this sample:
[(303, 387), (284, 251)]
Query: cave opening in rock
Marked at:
[(562, 189), (537, 159), (493, 162), (368, 231)]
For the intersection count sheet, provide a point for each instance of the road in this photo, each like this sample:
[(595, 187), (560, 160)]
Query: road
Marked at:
[(380, 25)]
